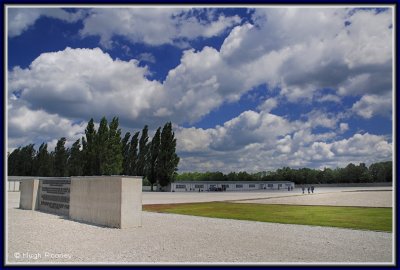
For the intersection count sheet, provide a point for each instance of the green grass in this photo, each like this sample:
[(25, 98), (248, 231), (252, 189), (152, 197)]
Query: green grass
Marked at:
[(361, 218)]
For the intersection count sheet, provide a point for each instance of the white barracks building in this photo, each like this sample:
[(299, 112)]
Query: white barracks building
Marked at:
[(187, 186)]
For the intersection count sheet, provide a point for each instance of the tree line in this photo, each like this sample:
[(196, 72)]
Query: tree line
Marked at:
[(103, 152), (376, 172)]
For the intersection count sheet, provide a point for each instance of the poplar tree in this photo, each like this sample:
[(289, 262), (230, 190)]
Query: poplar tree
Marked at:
[(26, 164), (13, 161), (112, 164), (42, 162), (101, 147), (60, 158), (125, 154), (75, 167), (133, 154), (89, 151), (167, 159), (154, 150), (141, 162)]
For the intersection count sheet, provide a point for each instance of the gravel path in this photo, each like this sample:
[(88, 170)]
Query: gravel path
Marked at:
[(352, 198), (183, 197), (39, 237), (178, 238)]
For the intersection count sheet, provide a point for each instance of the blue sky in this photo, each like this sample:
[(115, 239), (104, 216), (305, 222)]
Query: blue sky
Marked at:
[(246, 88)]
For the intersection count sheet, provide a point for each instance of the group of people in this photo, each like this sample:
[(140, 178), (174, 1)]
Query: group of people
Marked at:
[(308, 189)]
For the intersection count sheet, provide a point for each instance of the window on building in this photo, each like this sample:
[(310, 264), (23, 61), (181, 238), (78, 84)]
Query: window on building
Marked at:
[(270, 185), (239, 186), (180, 186), (252, 186), (199, 186)]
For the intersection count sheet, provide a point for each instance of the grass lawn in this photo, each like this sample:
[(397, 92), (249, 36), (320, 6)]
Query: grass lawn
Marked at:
[(363, 218)]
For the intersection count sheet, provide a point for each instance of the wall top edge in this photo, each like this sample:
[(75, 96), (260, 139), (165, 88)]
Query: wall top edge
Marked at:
[(107, 176), (25, 178)]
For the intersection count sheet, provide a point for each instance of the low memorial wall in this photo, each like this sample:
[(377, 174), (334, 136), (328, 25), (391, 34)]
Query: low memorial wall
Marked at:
[(29, 194), (54, 196), (113, 201), (107, 200)]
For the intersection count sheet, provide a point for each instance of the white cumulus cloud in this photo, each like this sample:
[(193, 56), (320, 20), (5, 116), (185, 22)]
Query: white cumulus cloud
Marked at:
[(154, 26), (261, 141), (86, 83), (26, 125), (20, 19), (371, 105)]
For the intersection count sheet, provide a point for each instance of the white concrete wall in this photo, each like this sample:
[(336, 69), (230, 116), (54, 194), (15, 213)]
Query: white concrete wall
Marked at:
[(112, 201), (131, 202), (54, 196), (13, 186), (29, 194)]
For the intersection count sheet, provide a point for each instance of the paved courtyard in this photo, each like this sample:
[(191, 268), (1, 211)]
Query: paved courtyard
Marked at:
[(168, 238)]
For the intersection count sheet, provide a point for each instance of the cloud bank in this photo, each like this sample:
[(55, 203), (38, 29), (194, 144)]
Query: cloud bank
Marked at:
[(300, 52)]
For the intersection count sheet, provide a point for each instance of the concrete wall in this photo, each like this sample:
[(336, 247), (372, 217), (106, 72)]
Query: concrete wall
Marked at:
[(13, 186), (54, 195), (29, 194), (112, 201), (131, 202)]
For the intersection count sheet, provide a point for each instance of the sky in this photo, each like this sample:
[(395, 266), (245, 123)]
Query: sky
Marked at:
[(247, 89)]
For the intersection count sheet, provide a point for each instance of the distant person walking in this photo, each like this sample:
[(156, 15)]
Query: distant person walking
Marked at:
[(312, 189), (308, 189), (303, 188)]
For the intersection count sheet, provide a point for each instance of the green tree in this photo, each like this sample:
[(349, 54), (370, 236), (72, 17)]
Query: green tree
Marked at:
[(125, 154), (377, 171), (60, 158), (232, 176), (143, 148), (113, 158), (13, 161), (366, 177), (133, 154), (168, 159), (88, 149), (389, 171), (43, 162), (154, 150), (26, 163), (327, 176), (350, 173), (75, 167), (101, 147)]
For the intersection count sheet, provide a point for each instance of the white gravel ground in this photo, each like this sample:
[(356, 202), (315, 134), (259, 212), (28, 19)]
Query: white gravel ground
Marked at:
[(39, 237), (352, 198), (183, 197)]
